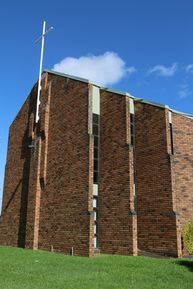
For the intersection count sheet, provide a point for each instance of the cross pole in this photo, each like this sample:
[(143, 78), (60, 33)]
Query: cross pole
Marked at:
[(41, 38)]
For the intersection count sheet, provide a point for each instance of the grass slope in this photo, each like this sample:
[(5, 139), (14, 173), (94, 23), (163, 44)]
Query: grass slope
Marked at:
[(41, 270)]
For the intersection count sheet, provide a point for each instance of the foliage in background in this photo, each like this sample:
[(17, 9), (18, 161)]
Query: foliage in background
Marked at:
[(187, 235)]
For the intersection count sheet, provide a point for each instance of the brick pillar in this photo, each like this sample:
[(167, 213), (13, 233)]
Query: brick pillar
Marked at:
[(132, 188), (173, 189), (38, 166), (34, 196)]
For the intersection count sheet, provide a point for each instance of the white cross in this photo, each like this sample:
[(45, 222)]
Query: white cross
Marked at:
[(44, 32)]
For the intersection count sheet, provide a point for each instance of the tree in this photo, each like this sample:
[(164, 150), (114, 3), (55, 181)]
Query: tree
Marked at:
[(187, 235)]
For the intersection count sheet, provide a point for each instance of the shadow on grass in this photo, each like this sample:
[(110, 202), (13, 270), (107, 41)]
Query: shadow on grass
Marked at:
[(186, 263)]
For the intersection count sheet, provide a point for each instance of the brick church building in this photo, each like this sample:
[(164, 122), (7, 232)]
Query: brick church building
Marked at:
[(101, 171)]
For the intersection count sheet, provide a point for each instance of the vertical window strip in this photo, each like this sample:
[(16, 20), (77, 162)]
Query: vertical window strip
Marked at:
[(171, 132), (132, 142), (171, 139), (95, 120), (132, 129), (96, 147)]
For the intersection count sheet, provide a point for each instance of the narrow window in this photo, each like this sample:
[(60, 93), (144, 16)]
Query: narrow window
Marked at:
[(96, 147), (132, 129), (96, 175), (171, 139), (95, 211)]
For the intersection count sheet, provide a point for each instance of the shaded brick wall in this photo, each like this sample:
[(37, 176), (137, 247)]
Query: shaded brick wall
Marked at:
[(47, 201), (15, 196), (183, 167), (156, 217), (117, 227), (64, 210)]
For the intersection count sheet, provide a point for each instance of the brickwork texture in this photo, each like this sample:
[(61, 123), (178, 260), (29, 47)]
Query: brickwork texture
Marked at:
[(145, 186)]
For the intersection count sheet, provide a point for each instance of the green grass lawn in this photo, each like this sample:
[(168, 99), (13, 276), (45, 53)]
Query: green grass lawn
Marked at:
[(38, 270)]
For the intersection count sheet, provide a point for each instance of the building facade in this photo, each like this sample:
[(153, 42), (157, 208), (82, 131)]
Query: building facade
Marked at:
[(102, 171)]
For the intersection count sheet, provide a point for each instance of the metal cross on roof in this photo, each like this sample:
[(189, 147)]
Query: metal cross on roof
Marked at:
[(44, 32)]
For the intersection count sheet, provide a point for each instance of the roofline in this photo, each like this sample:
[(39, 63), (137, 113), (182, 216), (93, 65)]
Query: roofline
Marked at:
[(181, 113), (162, 106), (86, 81), (117, 92), (150, 102), (70, 76)]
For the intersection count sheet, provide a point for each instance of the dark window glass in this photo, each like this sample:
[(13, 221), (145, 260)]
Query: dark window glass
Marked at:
[(96, 147), (171, 139), (132, 129), (96, 177), (95, 129), (96, 165), (96, 153), (96, 226), (95, 118), (132, 140), (96, 140), (131, 118)]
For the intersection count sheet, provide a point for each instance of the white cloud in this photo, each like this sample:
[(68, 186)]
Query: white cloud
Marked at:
[(189, 68), (162, 70), (104, 69)]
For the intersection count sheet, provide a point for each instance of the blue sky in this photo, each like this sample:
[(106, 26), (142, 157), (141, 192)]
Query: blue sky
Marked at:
[(141, 46)]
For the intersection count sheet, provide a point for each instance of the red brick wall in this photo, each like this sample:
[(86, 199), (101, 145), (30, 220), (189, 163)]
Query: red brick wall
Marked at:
[(14, 208), (55, 212), (156, 217), (182, 161), (47, 200), (117, 226), (64, 214)]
